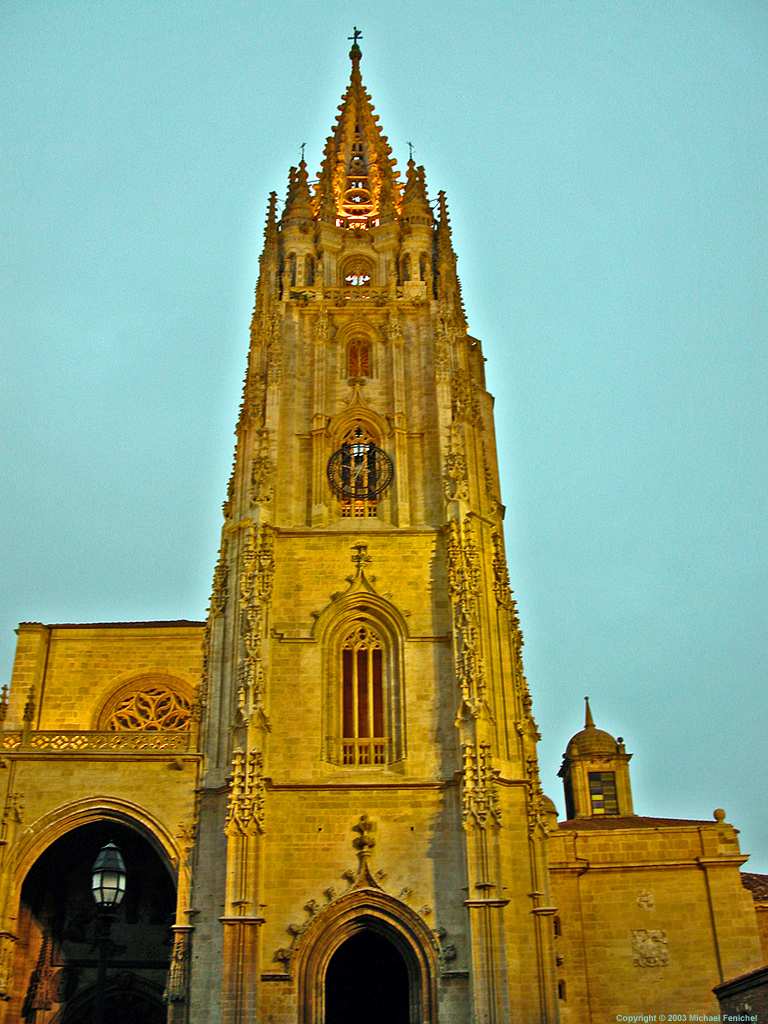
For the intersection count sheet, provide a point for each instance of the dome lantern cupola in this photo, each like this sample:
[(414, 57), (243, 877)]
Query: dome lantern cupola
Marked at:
[(595, 773)]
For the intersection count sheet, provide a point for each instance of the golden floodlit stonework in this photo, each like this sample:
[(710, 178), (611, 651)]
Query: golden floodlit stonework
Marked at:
[(327, 795)]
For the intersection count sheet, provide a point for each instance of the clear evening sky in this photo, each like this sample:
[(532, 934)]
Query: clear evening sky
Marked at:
[(605, 165)]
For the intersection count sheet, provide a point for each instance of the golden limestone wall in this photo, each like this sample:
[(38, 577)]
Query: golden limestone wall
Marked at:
[(100, 724), (650, 917)]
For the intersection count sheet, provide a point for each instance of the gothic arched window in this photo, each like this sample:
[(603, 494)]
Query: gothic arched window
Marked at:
[(359, 358), (292, 269), (357, 272), (363, 739), (309, 271)]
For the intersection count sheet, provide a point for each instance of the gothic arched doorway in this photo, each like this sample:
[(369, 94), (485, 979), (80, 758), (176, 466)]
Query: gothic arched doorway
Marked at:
[(369, 956), (57, 955), (367, 978)]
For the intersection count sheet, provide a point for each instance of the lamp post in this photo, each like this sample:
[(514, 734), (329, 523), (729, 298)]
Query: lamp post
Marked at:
[(108, 887)]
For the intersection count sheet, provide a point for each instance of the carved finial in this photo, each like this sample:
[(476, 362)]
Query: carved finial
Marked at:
[(361, 558), (29, 707), (303, 146), (590, 723), (272, 209), (410, 151), (364, 843)]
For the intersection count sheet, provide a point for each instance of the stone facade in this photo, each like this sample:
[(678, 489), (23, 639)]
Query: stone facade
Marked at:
[(343, 757), (100, 726)]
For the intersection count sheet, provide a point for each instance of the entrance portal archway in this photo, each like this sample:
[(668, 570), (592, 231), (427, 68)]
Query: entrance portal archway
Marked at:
[(367, 978), (371, 947), (56, 955)]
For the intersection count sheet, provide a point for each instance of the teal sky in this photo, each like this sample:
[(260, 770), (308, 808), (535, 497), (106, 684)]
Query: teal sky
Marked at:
[(606, 169)]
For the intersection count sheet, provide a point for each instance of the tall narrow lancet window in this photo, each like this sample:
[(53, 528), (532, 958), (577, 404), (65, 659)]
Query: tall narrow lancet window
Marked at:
[(363, 738), (309, 271), (292, 269), (359, 359)]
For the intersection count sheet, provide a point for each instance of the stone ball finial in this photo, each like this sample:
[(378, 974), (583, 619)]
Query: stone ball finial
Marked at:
[(719, 815)]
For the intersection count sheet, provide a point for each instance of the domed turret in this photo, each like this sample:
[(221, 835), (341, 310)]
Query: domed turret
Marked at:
[(591, 740), (595, 773)]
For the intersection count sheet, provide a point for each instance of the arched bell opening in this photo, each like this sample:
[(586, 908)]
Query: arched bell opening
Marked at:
[(57, 953)]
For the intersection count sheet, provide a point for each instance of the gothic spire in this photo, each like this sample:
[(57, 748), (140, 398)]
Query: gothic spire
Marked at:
[(357, 180), (269, 255), (298, 202), (590, 722), (449, 288), (415, 200)]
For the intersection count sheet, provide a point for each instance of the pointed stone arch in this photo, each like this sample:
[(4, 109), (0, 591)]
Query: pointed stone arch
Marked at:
[(367, 909), (357, 412), (52, 826)]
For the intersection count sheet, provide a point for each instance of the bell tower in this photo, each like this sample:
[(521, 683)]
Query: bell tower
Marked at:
[(371, 775)]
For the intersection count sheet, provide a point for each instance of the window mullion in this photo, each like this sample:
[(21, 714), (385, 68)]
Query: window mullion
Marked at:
[(369, 658), (355, 729)]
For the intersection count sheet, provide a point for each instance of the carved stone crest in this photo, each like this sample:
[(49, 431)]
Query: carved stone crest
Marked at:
[(649, 948)]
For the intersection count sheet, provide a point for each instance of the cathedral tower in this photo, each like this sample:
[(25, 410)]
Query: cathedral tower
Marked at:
[(371, 818)]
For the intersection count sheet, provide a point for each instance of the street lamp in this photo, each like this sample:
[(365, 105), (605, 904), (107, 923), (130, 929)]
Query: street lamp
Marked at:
[(108, 887)]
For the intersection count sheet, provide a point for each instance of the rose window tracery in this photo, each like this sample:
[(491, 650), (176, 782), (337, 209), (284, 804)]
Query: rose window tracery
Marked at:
[(152, 709)]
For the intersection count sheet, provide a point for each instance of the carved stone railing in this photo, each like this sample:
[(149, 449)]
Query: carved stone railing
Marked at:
[(66, 741), (356, 293)]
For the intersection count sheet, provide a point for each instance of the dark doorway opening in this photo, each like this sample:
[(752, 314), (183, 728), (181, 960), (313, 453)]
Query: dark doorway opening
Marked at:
[(57, 953), (367, 979)]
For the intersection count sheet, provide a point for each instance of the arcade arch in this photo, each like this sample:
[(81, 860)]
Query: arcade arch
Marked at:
[(54, 961)]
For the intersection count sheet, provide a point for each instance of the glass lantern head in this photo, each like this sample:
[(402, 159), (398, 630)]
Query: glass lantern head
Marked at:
[(108, 877)]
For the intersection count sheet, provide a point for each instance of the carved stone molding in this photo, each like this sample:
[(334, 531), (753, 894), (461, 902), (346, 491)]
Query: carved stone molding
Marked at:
[(464, 403), (177, 986), (256, 580), (501, 588), (480, 791), (645, 900), (7, 945), (274, 351), (456, 479), (220, 580), (227, 505), (245, 811), (262, 470), (323, 327), (464, 585), (442, 352)]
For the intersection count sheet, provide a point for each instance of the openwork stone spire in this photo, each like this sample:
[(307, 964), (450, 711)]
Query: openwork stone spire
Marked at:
[(357, 183), (298, 202)]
